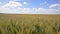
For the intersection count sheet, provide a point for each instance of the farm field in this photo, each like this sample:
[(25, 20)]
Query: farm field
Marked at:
[(29, 24)]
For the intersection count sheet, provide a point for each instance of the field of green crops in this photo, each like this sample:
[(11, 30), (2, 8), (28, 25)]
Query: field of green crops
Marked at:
[(29, 24)]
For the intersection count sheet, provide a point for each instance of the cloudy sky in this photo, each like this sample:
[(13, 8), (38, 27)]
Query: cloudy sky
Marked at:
[(30, 6)]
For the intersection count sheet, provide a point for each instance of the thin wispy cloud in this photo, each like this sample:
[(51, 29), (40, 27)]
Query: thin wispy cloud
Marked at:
[(0, 2), (54, 5), (12, 4), (17, 0), (43, 3)]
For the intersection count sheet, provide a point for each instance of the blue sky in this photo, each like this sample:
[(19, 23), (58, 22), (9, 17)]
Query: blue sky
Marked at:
[(39, 5), (34, 3)]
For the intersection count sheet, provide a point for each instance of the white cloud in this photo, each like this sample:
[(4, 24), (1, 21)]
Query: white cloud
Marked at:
[(48, 11), (25, 2), (12, 4), (55, 6), (29, 11), (7, 8)]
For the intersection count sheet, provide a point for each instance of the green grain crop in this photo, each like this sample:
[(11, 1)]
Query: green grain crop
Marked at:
[(29, 24)]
